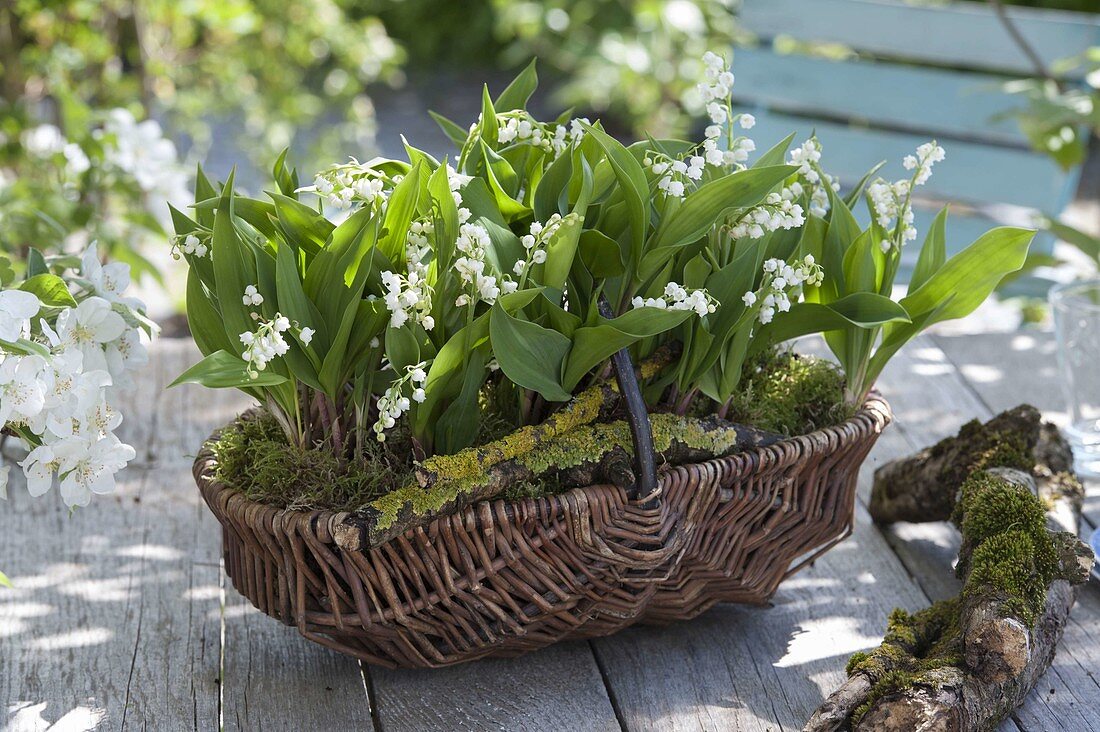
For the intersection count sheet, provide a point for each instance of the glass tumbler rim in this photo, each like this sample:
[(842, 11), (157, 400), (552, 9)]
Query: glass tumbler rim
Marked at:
[(1061, 296)]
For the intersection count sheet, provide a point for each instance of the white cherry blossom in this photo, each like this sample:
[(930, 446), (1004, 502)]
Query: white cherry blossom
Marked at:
[(16, 310)]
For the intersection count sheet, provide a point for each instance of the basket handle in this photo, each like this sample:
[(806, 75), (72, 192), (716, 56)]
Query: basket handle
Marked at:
[(645, 464)]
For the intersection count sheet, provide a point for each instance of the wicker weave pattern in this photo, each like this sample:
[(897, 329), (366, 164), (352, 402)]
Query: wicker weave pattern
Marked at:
[(503, 578)]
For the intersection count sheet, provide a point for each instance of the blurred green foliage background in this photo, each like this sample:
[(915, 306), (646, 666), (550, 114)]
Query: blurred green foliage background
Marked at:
[(245, 78)]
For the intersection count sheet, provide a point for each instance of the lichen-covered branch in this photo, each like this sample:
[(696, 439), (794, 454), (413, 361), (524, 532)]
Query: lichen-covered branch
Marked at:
[(591, 405), (967, 662), (588, 454)]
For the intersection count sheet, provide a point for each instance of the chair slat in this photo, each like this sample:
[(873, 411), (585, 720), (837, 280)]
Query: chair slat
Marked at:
[(968, 35), (921, 100), (972, 173)]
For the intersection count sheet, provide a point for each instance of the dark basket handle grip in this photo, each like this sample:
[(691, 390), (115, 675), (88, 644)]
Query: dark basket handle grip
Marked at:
[(645, 463)]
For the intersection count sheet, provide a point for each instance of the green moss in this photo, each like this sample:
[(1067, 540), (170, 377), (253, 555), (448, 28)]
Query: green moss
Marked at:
[(579, 446), (253, 456), (890, 682), (1013, 553), (983, 449), (790, 394), (1006, 562), (998, 506), (1013, 558), (855, 662), (783, 393), (914, 645)]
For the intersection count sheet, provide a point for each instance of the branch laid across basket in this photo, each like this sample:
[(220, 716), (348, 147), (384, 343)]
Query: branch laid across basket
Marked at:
[(966, 663), (571, 445)]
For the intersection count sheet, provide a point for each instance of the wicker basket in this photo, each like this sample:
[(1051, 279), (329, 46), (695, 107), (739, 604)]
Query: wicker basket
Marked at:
[(502, 578)]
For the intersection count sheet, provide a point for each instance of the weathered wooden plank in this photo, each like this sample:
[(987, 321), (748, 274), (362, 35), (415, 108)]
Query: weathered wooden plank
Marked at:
[(117, 611), (930, 102), (111, 620), (556, 688), (955, 34), (1007, 176), (274, 679), (746, 668)]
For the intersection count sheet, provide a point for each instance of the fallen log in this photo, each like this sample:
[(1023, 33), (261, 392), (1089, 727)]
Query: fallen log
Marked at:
[(968, 662)]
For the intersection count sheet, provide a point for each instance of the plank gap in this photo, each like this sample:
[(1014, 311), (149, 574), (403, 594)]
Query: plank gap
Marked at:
[(607, 687), (372, 697)]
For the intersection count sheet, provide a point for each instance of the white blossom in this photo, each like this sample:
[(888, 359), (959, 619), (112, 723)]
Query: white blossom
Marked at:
[(252, 296), (677, 297), (891, 202), (59, 401), (780, 283), (351, 185), (142, 151), (16, 310), (779, 211), (109, 281), (43, 141), (189, 244), (265, 344), (393, 404)]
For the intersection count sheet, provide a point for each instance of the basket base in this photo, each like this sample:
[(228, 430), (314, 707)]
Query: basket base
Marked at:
[(503, 579)]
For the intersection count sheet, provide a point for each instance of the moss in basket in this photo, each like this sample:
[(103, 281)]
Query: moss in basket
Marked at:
[(254, 457), (790, 394)]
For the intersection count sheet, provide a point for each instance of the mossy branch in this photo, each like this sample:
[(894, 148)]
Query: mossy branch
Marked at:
[(591, 405), (967, 662), (925, 486), (585, 455)]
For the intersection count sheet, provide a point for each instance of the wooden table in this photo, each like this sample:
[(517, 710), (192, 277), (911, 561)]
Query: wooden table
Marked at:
[(122, 618)]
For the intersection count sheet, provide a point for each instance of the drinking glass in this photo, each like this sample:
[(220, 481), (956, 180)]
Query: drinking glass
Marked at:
[(1076, 307)]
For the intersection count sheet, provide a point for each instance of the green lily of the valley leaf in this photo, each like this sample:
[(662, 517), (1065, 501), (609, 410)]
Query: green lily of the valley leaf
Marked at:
[(933, 253), (304, 227), (224, 370), (858, 310), (528, 354), (445, 374), (631, 177), (600, 254), (970, 276), (701, 209), (516, 94), (777, 155), (454, 132), (458, 425), (234, 268), (594, 344), (560, 252)]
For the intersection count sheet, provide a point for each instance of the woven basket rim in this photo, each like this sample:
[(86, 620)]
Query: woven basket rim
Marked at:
[(871, 418)]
